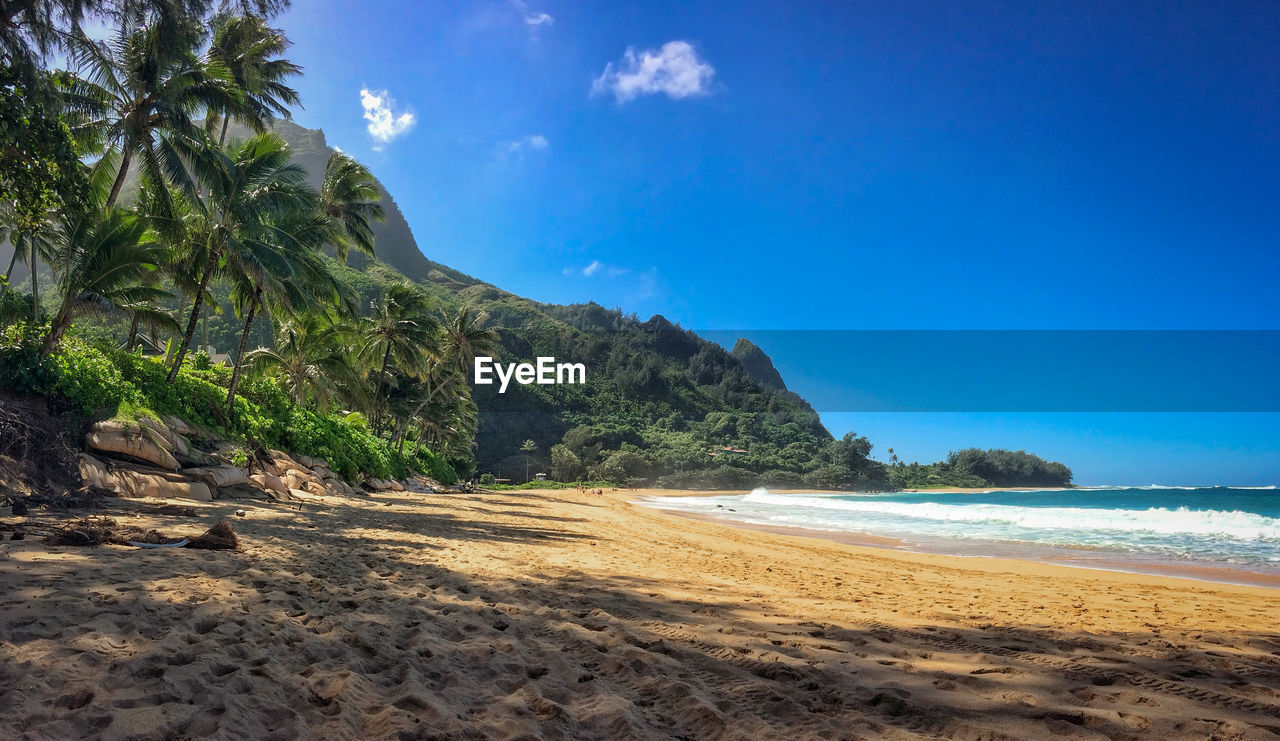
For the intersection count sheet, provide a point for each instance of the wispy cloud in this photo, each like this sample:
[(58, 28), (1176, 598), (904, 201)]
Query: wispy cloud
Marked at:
[(532, 141), (596, 268), (385, 123), (532, 18), (675, 70)]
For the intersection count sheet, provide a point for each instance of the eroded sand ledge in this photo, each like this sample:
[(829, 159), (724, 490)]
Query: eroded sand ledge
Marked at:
[(557, 614)]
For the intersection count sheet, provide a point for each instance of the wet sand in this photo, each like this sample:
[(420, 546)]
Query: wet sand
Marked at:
[(1085, 558), (554, 614)]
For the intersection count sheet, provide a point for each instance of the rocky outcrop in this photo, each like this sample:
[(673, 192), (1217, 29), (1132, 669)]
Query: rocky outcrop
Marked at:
[(165, 446), (135, 481), (133, 440)]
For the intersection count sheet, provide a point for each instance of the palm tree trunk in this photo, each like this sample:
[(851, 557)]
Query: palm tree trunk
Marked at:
[(377, 393), (35, 287), (8, 276), (196, 304), (222, 140), (56, 330), (239, 362), (133, 333), (124, 170)]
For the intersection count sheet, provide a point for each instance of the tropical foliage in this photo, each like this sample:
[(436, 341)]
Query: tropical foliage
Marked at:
[(137, 201), (164, 205)]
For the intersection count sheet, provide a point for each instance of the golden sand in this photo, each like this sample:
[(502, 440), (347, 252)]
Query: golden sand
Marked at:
[(554, 614)]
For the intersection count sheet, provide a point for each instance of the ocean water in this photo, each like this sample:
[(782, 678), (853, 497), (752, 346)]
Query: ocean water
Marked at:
[(1227, 527)]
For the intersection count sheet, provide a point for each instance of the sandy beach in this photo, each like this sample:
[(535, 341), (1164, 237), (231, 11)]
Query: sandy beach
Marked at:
[(554, 614)]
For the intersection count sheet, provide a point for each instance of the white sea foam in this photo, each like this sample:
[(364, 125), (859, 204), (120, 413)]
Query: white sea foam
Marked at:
[(1233, 525)]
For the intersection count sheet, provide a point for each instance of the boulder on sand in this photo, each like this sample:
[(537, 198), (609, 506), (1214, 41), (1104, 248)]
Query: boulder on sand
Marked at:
[(94, 472), (294, 478), (163, 485), (132, 440), (314, 488), (224, 475), (278, 462), (269, 482)]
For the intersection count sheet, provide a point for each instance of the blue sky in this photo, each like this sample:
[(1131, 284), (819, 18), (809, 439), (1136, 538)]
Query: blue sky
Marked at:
[(888, 165)]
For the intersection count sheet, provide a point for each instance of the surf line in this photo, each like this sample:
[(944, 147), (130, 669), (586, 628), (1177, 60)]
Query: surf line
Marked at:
[(545, 372)]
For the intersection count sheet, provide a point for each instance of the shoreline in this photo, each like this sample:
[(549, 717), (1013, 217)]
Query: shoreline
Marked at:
[(1113, 562)]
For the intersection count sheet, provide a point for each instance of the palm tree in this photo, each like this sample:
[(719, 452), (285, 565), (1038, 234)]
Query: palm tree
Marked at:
[(135, 97), (248, 49), (527, 448), (282, 269), (243, 190), (447, 425), (440, 380), (351, 204), (462, 338), (312, 361), (102, 259), (400, 329), (465, 337), (32, 246)]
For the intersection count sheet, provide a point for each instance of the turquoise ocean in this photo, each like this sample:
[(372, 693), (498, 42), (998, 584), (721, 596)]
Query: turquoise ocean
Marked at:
[(1236, 528)]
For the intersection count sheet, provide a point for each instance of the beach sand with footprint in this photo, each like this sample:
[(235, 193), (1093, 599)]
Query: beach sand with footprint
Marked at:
[(564, 615)]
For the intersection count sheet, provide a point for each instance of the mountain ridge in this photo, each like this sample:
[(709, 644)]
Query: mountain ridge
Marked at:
[(654, 388)]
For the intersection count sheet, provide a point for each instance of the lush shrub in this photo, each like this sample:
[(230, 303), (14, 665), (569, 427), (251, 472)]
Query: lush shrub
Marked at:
[(782, 479), (21, 368), (109, 382), (87, 377), (434, 466), (348, 449), (189, 397), (14, 306), (721, 477)]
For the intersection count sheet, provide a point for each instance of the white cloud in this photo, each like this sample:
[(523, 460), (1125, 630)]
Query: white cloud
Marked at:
[(594, 268), (517, 148), (533, 18), (675, 69), (385, 123), (532, 141)]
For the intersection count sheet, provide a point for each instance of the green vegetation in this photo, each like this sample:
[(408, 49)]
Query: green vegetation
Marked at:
[(158, 193), (974, 468), (134, 193)]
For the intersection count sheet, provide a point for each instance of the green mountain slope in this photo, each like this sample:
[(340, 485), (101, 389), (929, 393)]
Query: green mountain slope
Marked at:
[(658, 400)]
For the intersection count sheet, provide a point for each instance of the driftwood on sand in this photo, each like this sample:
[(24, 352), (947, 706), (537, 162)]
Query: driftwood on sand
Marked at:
[(93, 531)]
